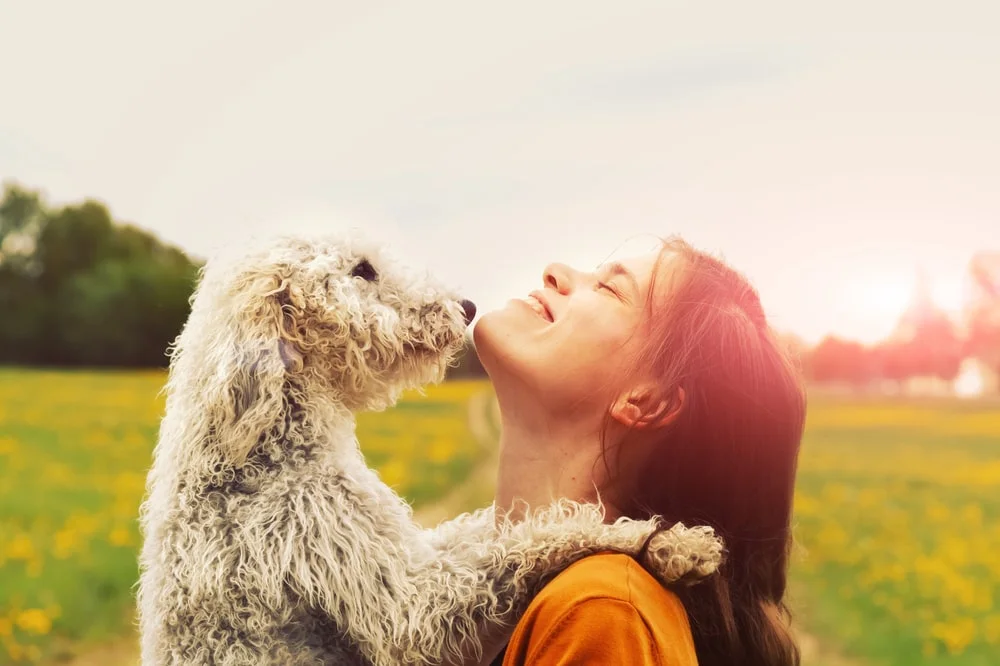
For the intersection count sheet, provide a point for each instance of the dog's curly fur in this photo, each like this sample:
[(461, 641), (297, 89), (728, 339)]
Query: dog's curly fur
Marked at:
[(267, 538)]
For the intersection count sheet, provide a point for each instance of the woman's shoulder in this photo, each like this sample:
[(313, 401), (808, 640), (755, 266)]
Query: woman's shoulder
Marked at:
[(612, 576), (606, 608)]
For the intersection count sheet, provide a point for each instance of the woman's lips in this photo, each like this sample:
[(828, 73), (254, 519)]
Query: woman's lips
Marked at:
[(539, 306)]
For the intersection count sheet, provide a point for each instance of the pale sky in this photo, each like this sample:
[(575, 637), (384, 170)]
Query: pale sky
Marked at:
[(828, 152)]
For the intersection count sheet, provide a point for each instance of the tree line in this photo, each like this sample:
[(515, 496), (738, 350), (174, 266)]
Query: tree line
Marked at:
[(80, 289), (927, 343)]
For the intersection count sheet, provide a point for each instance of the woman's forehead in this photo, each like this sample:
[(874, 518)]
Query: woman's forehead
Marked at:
[(663, 262), (636, 246)]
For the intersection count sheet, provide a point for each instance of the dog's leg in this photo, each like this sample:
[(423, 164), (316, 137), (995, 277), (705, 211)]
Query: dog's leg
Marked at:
[(409, 596), (508, 565)]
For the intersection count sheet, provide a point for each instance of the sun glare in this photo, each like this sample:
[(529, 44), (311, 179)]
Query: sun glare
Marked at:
[(970, 382), (878, 303), (886, 297), (949, 295)]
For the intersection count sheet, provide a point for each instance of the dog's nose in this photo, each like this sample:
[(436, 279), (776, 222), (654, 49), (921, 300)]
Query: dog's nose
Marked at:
[(469, 308)]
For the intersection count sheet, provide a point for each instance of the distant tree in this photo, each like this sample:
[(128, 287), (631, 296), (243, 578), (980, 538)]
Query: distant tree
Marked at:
[(77, 288), (21, 218), (74, 239), (838, 360), (983, 311), (22, 303), (124, 313), (926, 342), (893, 361), (23, 312), (936, 350)]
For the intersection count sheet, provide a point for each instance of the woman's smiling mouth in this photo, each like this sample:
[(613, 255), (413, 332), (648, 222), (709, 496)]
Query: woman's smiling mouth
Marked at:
[(539, 306)]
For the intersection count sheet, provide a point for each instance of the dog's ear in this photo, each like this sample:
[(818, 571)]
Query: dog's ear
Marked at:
[(254, 354)]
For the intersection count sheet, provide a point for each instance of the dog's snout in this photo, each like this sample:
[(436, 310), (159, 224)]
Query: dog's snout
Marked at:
[(469, 308)]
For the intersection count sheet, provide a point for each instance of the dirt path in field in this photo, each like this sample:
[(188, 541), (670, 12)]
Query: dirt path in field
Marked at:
[(815, 653), (121, 653)]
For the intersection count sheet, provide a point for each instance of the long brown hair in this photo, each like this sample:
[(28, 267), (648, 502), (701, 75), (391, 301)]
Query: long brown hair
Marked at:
[(727, 460)]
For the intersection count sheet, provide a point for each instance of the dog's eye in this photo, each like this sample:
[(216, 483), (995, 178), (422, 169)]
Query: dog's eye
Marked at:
[(364, 270)]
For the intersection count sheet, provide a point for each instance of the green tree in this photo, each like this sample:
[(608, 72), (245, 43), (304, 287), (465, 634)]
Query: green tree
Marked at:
[(124, 313), (22, 306), (78, 288), (73, 240)]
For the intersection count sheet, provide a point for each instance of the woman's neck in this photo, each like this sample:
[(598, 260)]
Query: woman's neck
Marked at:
[(544, 458)]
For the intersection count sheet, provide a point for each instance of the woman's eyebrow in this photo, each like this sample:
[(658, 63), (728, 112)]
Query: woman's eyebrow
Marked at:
[(616, 268)]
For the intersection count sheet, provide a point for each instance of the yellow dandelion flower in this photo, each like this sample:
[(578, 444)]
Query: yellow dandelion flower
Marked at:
[(956, 635), (34, 568), (34, 621), (393, 472), (441, 451), (64, 543), (14, 650), (20, 548), (119, 537), (991, 629)]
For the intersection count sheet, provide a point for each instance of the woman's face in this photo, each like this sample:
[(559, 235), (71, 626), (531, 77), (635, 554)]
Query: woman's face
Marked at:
[(569, 344)]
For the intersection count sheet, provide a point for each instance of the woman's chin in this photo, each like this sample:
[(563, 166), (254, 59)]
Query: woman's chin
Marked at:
[(493, 327)]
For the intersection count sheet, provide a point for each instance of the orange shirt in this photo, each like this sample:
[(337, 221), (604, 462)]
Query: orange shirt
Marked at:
[(604, 609)]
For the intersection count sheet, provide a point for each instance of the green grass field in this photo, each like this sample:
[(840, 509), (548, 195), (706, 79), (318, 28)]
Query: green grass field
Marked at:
[(897, 514), (74, 450), (898, 529)]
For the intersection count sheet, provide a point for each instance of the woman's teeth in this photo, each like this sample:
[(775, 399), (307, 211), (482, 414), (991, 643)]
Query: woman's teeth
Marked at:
[(538, 307)]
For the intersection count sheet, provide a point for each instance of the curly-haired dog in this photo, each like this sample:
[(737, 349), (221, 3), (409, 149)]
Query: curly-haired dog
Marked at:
[(267, 538)]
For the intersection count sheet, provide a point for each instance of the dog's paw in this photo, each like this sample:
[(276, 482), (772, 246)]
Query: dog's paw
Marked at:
[(683, 554)]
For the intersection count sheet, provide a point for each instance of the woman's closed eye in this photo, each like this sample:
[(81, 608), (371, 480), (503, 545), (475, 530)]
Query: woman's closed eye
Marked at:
[(614, 291), (616, 271)]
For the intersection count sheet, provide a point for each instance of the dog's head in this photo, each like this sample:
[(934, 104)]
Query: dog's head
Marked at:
[(336, 312)]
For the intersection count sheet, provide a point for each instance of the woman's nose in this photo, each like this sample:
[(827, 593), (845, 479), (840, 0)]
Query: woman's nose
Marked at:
[(558, 277)]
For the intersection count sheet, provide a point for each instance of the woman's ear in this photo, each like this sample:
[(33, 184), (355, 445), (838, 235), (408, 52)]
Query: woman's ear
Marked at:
[(647, 407)]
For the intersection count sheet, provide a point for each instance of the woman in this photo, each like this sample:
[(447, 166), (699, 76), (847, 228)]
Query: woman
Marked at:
[(655, 385)]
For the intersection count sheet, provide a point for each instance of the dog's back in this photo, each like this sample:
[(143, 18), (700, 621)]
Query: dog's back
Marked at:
[(208, 596)]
